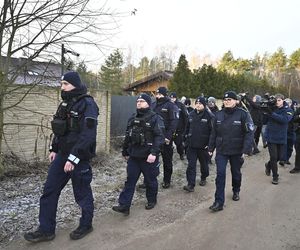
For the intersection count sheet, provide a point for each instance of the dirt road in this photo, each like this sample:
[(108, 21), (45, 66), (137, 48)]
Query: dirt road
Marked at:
[(266, 217)]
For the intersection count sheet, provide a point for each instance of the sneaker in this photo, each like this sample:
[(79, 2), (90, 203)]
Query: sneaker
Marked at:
[(188, 188), (202, 183), (142, 186), (255, 151), (236, 196), (150, 205), (287, 162), (38, 236), (181, 157), (121, 209), (275, 181), (80, 232), (295, 171), (281, 163), (165, 185), (267, 170)]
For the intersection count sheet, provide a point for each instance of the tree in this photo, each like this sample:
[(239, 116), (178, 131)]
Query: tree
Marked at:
[(277, 64), (294, 60), (227, 62), (181, 81), (143, 69), (111, 72), (36, 29)]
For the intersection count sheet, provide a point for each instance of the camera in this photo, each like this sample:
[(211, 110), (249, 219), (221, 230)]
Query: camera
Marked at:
[(269, 101)]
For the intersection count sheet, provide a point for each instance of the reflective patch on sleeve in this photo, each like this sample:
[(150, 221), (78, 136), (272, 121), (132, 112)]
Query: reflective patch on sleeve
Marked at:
[(73, 158), (289, 113), (250, 126)]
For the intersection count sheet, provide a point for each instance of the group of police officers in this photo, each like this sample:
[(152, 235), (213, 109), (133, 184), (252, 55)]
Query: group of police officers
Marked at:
[(197, 133)]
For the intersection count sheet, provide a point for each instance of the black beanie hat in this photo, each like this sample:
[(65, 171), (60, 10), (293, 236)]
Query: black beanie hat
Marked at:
[(201, 99), (73, 78), (145, 97), (173, 95), (162, 90), (230, 94)]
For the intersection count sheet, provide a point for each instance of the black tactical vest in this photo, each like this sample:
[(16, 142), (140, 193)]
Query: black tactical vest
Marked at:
[(66, 119), (140, 131)]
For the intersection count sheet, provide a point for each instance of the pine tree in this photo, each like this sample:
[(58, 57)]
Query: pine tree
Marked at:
[(111, 72), (181, 81)]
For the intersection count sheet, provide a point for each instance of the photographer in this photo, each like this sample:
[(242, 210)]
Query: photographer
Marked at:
[(254, 108), (277, 117)]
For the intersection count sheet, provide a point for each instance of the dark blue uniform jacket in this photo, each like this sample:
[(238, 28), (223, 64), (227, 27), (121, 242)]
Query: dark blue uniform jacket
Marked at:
[(199, 128), (80, 144), (183, 117), (232, 132), (151, 142), (169, 112), (277, 125)]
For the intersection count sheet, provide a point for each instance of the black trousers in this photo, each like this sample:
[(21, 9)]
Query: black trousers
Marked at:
[(194, 154), (167, 157), (276, 153), (178, 140), (257, 134)]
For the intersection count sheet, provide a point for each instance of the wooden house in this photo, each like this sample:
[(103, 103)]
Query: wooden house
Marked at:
[(150, 83)]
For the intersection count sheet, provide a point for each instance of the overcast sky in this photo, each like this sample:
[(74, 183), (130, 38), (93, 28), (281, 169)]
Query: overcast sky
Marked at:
[(208, 26)]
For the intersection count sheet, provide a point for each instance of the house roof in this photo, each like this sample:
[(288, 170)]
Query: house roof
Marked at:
[(35, 72), (159, 76)]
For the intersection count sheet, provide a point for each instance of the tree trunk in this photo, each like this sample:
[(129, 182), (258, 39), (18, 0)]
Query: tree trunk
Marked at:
[(1, 136)]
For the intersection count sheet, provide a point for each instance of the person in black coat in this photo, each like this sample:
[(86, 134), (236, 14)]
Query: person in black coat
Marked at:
[(232, 137), (169, 112), (143, 139), (181, 125), (277, 118), (75, 128), (197, 137), (256, 113)]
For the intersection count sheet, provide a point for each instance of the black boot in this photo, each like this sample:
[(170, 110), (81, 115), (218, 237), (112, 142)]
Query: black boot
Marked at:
[(275, 180), (150, 205), (188, 188), (216, 207), (267, 169), (121, 209), (38, 236), (202, 182), (295, 171), (165, 185), (80, 232), (236, 196)]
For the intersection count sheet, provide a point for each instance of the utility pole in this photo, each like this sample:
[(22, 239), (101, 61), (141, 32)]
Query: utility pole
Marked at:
[(63, 52)]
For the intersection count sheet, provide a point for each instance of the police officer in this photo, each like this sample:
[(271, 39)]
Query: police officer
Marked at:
[(169, 112), (181, 125), (74, 127), (277, 118), (198, 132), (144, 136), (232, 137)]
